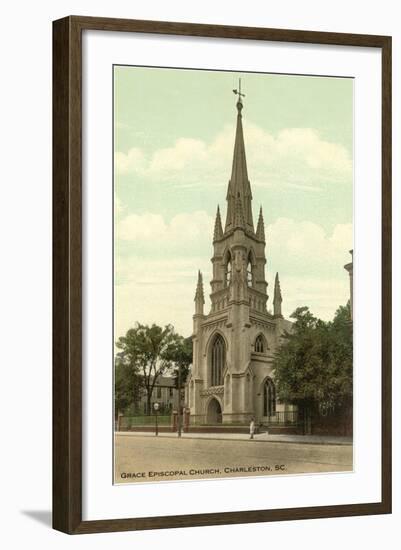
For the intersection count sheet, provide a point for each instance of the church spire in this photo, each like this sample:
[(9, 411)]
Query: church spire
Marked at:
[(218, 229), (239, 186), (277, 300), (199, 296), (239, 220), (260, 230)]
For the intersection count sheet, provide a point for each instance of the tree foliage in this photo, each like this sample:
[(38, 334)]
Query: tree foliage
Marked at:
[(153, 351), (127, 385), (183, 360), (313, 365)]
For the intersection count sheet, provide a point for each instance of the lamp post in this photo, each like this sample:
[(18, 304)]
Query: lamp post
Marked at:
[(156, 408)]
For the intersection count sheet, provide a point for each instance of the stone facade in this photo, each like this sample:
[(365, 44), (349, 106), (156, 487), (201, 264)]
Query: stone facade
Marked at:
[(231, 378)]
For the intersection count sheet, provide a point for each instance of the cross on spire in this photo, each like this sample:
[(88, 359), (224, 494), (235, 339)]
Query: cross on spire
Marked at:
[(239, 93), (239, 189)]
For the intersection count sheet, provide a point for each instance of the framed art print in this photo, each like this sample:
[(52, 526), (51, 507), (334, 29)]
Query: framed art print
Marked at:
[(222, 274)]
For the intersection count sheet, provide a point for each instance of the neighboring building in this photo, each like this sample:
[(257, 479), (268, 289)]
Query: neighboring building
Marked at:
[(164, 393), (233, 345), (350, 268)]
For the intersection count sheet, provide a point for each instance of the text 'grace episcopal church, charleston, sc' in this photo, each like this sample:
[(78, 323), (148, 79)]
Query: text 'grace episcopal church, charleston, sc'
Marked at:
[(231, 378)]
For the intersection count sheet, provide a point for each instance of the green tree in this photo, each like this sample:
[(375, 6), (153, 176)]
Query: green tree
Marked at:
[(154, 351), (313, 365), (127, 384), (182, 360)]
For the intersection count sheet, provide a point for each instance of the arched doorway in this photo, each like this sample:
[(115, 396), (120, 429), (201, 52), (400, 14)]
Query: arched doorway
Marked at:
[(214, 412)]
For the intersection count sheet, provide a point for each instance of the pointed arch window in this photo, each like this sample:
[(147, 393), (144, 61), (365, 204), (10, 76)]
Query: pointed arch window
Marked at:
[(228, 270), (249, 271), (269, 398), (260, 344), (218, 359)]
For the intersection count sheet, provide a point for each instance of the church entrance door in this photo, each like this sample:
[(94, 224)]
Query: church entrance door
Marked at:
[(214, 412)]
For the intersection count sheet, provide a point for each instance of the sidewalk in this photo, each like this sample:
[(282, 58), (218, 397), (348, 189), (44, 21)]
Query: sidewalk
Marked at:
[(262, 437)]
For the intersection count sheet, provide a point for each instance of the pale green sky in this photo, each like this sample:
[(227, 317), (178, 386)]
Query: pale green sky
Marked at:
[(174, 136)]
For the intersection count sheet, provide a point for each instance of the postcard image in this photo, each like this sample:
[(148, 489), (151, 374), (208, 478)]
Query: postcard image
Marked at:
[(233, 274)]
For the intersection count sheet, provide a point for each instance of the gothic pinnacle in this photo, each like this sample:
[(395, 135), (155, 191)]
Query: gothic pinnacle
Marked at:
[(218, 228), (277, 300), (260, 230), (199, 296)]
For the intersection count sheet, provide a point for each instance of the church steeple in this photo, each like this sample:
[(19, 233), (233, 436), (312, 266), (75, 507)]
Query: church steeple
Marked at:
[(260, 230), (239, 219), (199, 296), (237, 324), (239, 257), (239, 186), (277, 300), (218, 229)]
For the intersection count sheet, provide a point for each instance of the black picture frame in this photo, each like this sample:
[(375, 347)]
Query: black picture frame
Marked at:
[(67, 273)]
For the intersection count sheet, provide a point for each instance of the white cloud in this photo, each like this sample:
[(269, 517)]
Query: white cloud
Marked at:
[(131, 162), (311, 264), (148, 271), (297, 157), (160, 287), (158, 291), (151, 229), (306, 247), (185, 152), (323, 295)]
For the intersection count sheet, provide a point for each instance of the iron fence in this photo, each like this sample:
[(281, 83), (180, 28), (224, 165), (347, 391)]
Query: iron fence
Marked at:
[(128, 422), (281, 418)]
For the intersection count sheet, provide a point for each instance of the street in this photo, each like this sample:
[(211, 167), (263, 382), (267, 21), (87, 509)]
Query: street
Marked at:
[(140, 458)]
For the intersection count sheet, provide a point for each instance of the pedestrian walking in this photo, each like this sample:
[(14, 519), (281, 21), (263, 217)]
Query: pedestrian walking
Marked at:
[(252, 427)]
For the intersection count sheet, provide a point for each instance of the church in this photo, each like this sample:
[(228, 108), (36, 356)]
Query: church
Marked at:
[(231, 378)]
